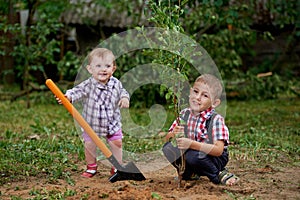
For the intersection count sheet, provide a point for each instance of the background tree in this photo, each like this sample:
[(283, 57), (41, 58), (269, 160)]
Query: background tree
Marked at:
[(36, 46), (229, 30)]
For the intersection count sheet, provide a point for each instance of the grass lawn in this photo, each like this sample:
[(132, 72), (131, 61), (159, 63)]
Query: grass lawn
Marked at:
[(42, 141), (266, 127)]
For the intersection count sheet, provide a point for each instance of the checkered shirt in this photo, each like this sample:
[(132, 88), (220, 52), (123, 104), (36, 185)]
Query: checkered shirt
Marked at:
[(100, 104), (197, 126)]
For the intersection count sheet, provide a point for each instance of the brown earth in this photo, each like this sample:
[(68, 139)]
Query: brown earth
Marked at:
[(267, 182)]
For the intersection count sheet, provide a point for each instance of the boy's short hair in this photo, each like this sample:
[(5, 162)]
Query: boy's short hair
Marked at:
[(213, 83), (102, 53)]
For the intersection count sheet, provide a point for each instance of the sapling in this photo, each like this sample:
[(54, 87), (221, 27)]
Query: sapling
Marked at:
[(167, 16)]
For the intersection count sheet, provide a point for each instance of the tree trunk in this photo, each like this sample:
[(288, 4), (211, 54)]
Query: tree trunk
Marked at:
[(6, 61)]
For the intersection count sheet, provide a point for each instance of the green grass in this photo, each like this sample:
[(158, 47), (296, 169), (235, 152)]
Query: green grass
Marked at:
[(265, 130), (42, 141)]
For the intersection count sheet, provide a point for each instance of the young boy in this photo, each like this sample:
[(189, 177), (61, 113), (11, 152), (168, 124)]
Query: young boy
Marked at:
[(206, 147), (102, 96)]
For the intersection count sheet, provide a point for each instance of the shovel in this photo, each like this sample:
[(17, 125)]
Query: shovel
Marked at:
[(127, 172)]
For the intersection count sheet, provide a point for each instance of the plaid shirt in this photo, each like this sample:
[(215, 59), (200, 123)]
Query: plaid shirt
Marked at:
[(197, 126), (100, 104)]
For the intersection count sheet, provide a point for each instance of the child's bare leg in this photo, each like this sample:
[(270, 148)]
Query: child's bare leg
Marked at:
[(90, 152), (116, 149), (90, 158)]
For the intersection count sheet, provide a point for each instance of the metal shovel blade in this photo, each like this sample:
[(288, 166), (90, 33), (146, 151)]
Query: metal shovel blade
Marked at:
[(127, 172)]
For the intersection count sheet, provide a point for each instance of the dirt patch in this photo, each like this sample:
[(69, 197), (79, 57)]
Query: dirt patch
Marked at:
[(267, 182)]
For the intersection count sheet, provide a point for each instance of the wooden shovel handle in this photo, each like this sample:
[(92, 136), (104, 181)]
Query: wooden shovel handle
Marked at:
[(77, 116)]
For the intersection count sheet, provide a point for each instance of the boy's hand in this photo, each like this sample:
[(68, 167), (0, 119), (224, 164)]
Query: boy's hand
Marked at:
[(178, 130), (124, 103), (184, 143)]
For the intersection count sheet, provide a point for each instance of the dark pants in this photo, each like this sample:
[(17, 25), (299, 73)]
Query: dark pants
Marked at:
[(204, 165), (197, 162)]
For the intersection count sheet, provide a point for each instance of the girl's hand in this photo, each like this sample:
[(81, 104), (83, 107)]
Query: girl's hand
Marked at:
[(58, 100), (124, 103), (184, 143)]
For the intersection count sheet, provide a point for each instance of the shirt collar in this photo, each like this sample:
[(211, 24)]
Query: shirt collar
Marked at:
[(206, 113), (99, 85)]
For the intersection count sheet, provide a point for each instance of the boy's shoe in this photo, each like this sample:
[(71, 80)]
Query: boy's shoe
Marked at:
[(192, 177), (89, 172), (227, 178), (195, 177)]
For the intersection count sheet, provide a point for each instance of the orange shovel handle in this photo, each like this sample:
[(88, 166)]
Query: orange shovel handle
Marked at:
[(76, 115)]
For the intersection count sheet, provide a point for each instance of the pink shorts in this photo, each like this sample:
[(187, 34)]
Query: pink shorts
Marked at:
[(117, 136)]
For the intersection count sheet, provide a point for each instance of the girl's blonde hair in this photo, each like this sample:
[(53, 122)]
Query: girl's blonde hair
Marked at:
[(101, 53), (213, 83)]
